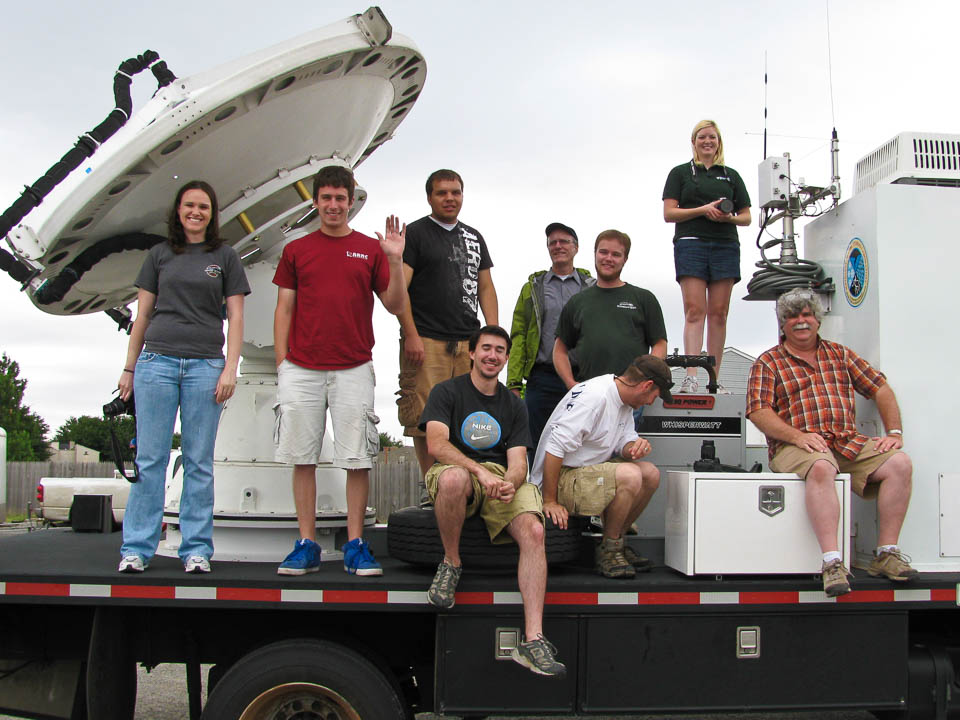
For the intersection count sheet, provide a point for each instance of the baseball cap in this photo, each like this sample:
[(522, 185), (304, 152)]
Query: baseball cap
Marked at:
[(566, 228), (657, 370)]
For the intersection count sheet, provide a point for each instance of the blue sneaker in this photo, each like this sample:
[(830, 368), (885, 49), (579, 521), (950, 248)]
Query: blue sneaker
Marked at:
[(304, 558), (358, 559)]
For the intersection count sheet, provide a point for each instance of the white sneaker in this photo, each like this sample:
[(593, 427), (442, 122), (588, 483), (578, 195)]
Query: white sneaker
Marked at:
[(132, 564), (690, 384), (197, 564)]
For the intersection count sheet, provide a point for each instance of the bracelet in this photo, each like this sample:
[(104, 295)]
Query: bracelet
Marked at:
[(128, 370), (898, 433)]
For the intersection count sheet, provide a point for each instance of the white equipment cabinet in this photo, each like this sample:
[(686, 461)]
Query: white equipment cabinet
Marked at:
[(745, 524)]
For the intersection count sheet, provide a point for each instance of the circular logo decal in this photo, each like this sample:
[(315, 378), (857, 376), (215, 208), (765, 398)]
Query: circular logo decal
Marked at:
[(480, 431), (857, 270)]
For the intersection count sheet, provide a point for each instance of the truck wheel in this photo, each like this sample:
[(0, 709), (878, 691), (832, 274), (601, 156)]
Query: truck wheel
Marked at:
[(412, 536), (305, 679)]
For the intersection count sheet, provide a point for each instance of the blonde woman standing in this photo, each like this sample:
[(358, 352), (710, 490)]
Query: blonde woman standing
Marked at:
[(706, 200)]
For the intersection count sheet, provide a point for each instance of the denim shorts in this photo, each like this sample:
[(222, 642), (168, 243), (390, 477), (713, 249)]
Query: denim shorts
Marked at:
[(709, 260)]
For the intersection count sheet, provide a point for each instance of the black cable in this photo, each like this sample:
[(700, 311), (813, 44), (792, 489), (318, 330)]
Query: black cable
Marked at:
[(85, 146), (55, 289)]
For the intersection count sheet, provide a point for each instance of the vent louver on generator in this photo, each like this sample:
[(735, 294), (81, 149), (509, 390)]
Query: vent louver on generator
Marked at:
[(912, 158)]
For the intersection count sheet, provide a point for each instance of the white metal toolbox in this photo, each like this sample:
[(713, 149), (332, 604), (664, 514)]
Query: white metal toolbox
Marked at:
[(745, 523)]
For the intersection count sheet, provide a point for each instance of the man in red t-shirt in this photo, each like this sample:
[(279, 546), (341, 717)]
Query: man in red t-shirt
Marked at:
[(323, 342)]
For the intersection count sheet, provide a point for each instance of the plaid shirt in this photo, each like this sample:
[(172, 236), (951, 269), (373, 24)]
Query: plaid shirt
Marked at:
[(815, 399)]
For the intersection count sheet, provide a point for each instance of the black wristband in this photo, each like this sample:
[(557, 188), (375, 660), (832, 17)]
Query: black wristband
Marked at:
[(128, 370)]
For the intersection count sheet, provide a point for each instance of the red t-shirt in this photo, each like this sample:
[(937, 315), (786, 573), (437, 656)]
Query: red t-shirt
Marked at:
[(335, 278)]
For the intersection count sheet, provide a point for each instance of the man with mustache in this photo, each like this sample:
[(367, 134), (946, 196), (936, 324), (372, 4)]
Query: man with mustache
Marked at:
[(447, 270), (610, 323), (801, 396)]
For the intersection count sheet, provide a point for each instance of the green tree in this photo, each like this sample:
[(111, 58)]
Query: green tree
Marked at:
[(26, 430), (387, 441), (94, 433)]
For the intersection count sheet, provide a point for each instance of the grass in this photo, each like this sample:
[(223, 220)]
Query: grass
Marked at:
[(16, 517)]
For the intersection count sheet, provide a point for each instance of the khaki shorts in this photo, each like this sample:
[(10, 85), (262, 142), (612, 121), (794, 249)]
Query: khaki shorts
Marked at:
[(587, 490), (442, 360), (790, 458), (496, 515), (303, 398)]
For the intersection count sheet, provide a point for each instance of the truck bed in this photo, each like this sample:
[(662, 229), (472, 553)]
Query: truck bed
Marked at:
[(60, 566)]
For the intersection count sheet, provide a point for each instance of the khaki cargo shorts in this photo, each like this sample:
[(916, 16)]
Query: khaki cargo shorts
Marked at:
[(587, 490), (496, 514), (790, 458), (442, 360)]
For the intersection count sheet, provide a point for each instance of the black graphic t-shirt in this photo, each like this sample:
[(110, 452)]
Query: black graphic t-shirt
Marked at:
[(482, 427), (446, 266)]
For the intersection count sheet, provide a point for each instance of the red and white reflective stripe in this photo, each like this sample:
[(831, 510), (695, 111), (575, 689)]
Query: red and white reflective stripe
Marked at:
[(419, 597)]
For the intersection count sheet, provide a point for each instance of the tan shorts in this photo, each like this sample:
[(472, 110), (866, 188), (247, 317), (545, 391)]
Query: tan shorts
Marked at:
[(442, 360), (790, 458), (587, 490), (496, 514)]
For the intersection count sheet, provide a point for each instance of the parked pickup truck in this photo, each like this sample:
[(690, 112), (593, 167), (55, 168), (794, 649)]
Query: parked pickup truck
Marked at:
[(55, 494)]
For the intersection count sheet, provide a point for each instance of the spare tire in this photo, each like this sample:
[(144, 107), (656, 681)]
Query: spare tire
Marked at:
[(412, 536)]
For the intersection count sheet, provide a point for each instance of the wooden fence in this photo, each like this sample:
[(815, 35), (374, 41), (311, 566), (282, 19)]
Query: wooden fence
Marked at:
[(23, 478), (394, 482)]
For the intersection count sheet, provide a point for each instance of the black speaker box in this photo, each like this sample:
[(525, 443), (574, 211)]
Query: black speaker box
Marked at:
[(92, 513)]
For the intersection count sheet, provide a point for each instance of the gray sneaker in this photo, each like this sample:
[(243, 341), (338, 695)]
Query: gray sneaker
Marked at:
[(538, 655), (835, 578), (443, 589)]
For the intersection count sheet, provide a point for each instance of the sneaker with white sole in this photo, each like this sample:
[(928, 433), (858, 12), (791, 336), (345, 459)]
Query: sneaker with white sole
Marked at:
[(689, 384), (358, 559), (197, 564), (539, 655), (303, 559), (132, 564)]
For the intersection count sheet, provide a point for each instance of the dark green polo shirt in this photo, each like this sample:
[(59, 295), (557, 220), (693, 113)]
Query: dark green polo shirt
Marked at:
[(693, 189)]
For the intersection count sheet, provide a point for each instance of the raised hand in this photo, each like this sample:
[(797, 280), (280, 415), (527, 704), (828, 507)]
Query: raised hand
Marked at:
[(394, 238)]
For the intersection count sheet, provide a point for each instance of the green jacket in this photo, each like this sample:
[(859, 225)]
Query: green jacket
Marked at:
[(526, 327)]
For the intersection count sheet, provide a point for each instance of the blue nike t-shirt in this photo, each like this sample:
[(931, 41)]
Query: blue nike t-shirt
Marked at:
[(482, 427)]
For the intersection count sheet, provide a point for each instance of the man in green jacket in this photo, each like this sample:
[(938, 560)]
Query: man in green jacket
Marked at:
[(530, 372)]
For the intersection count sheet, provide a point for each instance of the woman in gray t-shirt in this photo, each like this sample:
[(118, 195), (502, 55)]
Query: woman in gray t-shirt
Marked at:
[(175, 362)]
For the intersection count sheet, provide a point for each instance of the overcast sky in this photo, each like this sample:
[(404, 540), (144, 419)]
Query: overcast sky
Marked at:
[(550, 110)]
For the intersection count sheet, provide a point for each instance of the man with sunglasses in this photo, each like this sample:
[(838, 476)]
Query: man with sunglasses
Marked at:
[(588, 460)]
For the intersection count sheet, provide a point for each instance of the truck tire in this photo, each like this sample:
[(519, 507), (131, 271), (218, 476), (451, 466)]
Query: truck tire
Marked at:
[(307, 679), (412, 536)]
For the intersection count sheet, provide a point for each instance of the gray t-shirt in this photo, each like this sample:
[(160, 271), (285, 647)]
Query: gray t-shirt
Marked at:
[(187, 321)]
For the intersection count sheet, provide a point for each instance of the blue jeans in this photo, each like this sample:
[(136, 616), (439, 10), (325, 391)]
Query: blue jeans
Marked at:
[(161, 385), (544, 390)]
